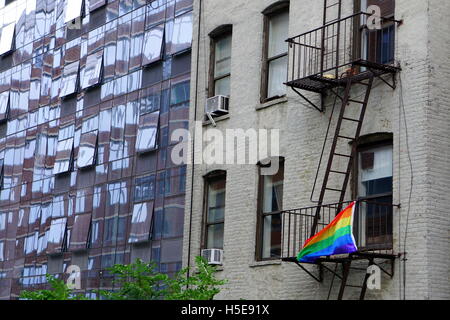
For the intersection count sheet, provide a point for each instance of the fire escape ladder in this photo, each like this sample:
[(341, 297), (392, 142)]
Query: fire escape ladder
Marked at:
[(332, 13), (346, 269), (339, 135)]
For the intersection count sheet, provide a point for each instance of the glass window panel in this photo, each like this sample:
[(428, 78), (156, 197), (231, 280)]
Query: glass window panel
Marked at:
[(80, 232), (272, 199), (73, 10), (222, 86), (147, 132), (91, 73), (141, 222), (95, 4), (88, 149), (153, 40), (65, 133), (272, 236), (6, 38), (375, 171), (222, 56), (155, 12), (171, 250), (56, 235), (144, 188), (150, 99), (2, 250), (90, 124), (69, 80), (278, 33), (4, 105), (180, 93), (216, 201), (273, 192), (215, 236), (183, 5), (277, 77), (63, 156), (173, 221), (182, 33), (31, 243)]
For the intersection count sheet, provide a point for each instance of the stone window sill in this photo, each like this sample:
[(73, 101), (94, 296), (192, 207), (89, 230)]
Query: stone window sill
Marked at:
[(257, 264), (272, 103)]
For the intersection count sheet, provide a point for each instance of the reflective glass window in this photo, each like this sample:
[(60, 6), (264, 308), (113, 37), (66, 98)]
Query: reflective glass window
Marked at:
[(4, 105), (80, 232), (182, 33), (147, 132), (141, 222), (69, 81), (153, 41), (73, 10), (95, 4), (56, 235), (91, 73), (88, 149), (6, 38)]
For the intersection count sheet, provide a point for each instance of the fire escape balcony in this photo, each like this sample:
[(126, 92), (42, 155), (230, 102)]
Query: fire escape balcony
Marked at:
[(372, 228), (327, 56)]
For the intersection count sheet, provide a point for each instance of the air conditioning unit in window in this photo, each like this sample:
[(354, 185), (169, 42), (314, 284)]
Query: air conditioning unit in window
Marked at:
[(213, 256), (217, 105)]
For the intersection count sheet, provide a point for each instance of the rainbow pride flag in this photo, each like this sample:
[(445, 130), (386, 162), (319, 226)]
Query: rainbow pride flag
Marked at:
[(336, 238)]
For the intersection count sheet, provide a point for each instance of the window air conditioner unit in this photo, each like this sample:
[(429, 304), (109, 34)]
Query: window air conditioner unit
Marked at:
[(217, 105), (213, 256)]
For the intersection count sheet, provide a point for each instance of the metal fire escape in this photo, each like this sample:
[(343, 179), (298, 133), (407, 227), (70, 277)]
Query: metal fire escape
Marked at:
[(342, 57)]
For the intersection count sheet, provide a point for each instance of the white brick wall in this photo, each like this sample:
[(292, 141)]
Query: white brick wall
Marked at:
[(422, 47)]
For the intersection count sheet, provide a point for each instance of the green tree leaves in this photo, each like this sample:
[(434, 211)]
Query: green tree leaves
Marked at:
[(141, 281)]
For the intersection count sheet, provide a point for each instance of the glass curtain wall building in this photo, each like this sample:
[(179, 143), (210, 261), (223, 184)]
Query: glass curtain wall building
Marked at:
[(90, 92)]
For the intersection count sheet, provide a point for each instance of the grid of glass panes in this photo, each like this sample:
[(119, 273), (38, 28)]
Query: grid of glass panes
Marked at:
[(113, 86)]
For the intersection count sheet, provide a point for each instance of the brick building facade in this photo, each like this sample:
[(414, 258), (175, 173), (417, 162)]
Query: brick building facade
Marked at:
[(90, 93), (402, 150)]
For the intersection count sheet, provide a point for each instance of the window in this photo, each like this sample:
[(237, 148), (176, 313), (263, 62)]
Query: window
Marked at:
[(56, 236), (73, 10), (141, 222), (95, 4), (144, 188), (215, 210), (275, 56), (182, 33), (80, 232), (374, 184), (87, 154), (379, 45), (220, 64), (1, 175), (7, 38), (270, 205), (147, 132), (4, 105), (91, 73), (180, 93), (69, 81), (153, 41), (2, 250), (64, 150)]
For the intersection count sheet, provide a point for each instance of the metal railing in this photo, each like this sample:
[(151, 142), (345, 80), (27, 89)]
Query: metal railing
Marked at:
[(332, 49), (372, 226)]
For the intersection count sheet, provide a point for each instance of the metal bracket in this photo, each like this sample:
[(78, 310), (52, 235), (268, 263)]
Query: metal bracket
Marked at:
[(393, 86), (318, 279), (321, 109), (208, 114)]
